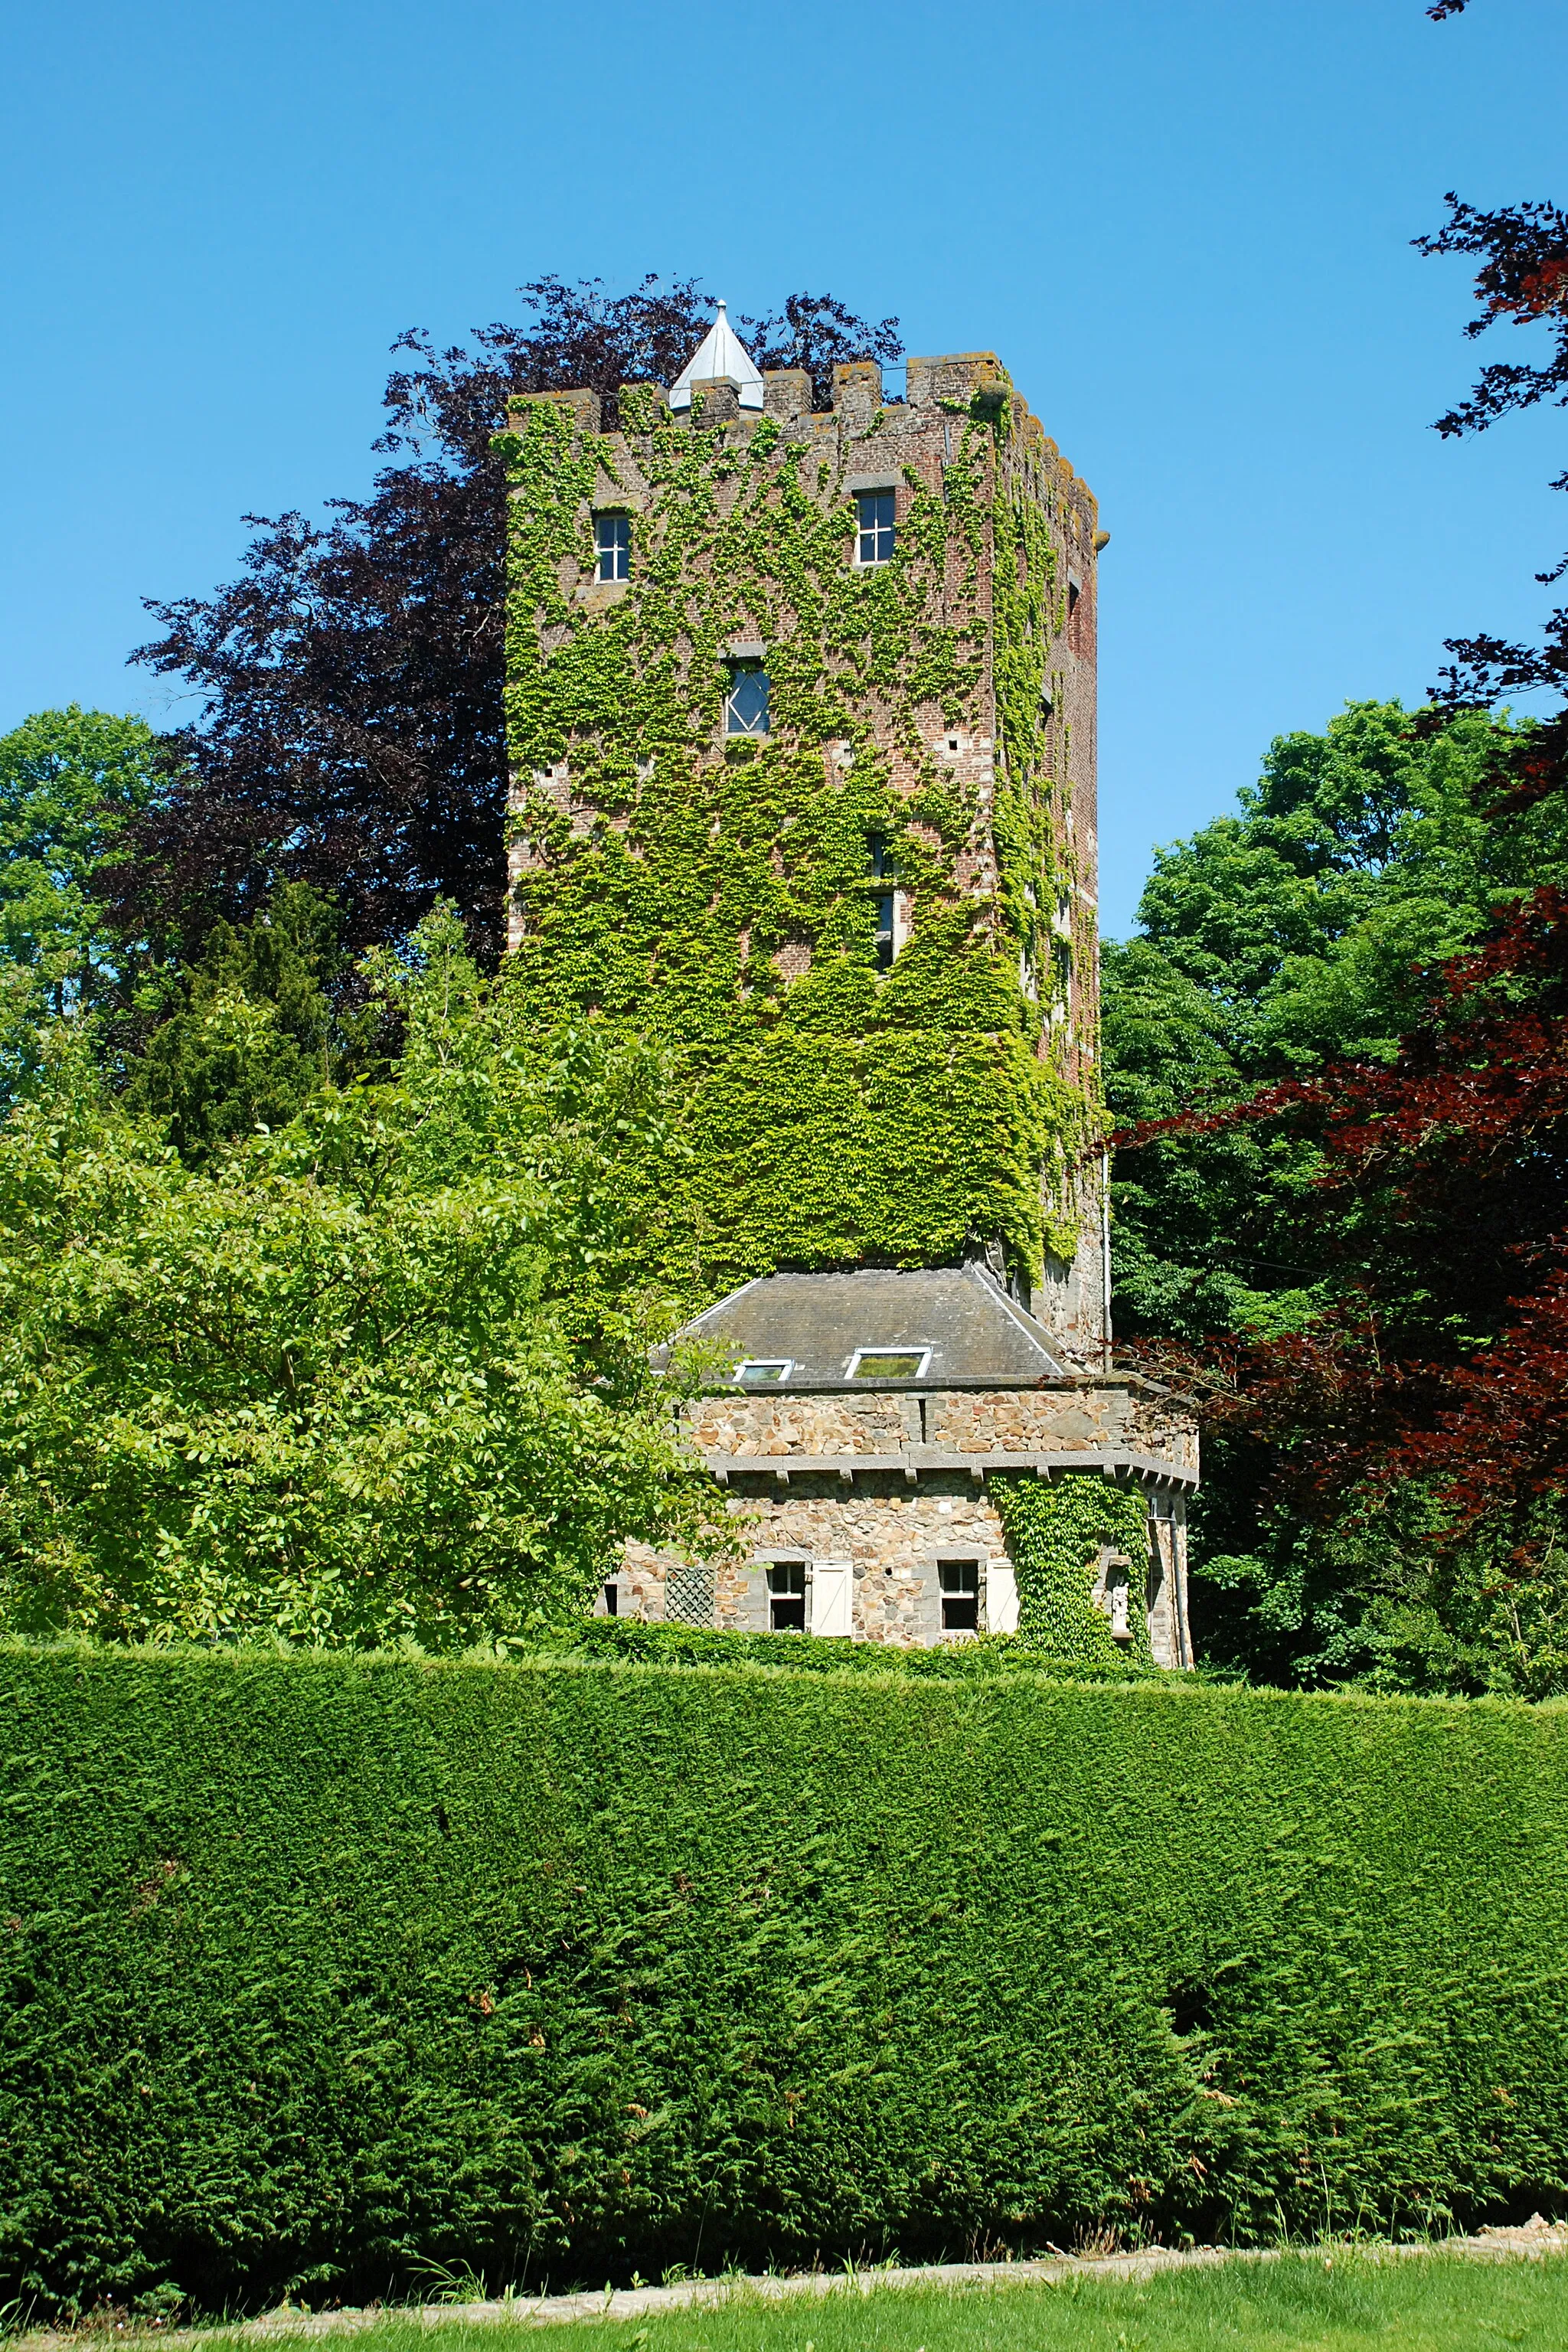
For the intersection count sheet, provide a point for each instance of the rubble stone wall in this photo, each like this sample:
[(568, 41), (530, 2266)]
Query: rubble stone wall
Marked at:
[(1124, 1416)]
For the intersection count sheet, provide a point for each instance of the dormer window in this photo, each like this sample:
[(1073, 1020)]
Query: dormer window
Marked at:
[(763, 1372), (876, 531), (889, 1364), (613, 542), (746, 707)]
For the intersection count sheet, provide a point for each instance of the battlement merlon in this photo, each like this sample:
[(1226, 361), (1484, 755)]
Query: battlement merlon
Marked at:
[(955, 383)]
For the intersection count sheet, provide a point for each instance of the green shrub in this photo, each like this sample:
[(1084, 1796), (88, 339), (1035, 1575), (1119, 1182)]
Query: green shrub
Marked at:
[(672, 1645), (325, 1969)]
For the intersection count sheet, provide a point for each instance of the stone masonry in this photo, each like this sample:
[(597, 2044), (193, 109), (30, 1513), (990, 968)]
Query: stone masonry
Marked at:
[(863, 444)]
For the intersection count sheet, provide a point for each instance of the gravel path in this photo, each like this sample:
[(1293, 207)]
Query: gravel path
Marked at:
[(1530, 2241)]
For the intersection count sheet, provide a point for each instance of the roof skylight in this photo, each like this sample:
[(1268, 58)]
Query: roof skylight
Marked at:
[(889, 1364)]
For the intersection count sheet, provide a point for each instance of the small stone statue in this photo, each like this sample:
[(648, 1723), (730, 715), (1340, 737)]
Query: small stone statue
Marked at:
[(1116, 1595)]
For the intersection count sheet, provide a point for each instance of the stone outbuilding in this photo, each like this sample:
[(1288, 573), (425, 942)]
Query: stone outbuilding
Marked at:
[(857, 1423)]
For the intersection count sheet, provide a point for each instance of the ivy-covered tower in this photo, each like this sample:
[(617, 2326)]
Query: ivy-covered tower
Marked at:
[(800, 708)]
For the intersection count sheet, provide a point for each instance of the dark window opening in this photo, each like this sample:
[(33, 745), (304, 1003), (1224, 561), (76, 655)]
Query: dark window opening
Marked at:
[(613, 538), (958, 1582), (885, 932), (1074, 592), (612, 1600), (786, 1596), (879, 859), (875, 532), (746, 710)]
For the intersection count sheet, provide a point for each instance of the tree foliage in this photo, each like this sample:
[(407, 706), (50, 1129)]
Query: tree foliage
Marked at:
[(352, 735), (1409, 1434), (1307, 925), (69, 782), (379, 1374), (253, 1031), (1388, 1411), (1321, 921), (1522, 281)]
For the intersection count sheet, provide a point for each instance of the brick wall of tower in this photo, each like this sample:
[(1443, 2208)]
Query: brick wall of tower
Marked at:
[(863, 443)]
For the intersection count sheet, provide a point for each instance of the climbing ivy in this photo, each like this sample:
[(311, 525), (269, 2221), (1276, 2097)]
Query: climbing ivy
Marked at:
[(721, 895), (1055, 1530)]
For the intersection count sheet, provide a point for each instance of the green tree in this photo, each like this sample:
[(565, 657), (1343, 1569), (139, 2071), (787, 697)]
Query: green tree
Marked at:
[(68, 780), (380, 1374), (1303, 930), (255, 1032)]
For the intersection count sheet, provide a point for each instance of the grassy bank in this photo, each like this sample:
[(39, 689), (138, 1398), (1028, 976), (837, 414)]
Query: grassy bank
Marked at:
[(1342, 2302)]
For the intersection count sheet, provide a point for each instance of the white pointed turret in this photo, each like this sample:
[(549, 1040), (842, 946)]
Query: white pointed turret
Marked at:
[(720, 358)]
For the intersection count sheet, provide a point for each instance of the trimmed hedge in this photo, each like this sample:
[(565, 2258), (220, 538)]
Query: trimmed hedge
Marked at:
[(670, 1644), (323, 1969)]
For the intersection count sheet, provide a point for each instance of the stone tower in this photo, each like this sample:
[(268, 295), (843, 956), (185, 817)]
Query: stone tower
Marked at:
[(802, 717), (800, 708)]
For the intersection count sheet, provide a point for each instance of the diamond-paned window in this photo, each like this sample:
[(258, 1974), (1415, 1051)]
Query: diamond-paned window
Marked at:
[(746, 710), (748, 699)]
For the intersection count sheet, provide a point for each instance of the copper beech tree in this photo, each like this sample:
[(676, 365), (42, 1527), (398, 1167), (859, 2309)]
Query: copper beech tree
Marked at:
[(350, 733)]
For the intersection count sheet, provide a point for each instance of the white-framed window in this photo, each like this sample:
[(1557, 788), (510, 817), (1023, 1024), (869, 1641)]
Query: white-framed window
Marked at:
[(786, 1596), (888, 1364), (612, 1600), (613, 542), (958, 1591), (746, 705), (876, 528), (763, 1372)]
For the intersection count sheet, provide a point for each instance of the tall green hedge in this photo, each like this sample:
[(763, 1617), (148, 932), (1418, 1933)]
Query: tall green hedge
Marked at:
[(321, 1970)]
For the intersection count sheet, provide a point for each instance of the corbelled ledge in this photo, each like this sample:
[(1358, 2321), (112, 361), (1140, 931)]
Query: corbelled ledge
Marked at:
[(1149, 1468)]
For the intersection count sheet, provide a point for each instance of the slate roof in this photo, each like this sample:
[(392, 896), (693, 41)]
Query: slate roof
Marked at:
[(817, 1322)]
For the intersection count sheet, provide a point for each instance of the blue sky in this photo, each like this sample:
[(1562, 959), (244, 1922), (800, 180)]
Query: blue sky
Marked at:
[(1184, 224)]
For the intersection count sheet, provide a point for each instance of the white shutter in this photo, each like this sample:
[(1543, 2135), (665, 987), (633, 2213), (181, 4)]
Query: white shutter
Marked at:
[(1001, 1597), (832, 1594)]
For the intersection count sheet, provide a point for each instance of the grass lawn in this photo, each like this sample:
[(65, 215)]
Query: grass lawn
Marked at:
[(1341, 2303)]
